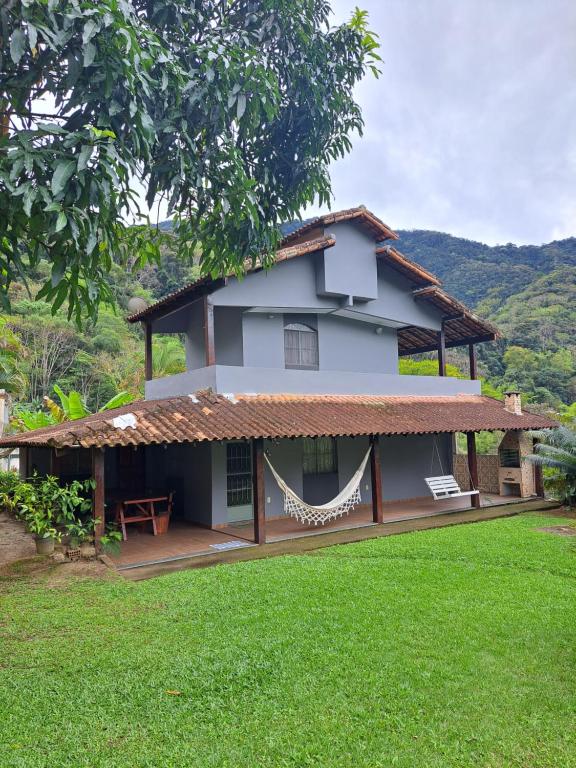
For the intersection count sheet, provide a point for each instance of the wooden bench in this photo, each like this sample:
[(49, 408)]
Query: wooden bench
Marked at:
[(446, 487)]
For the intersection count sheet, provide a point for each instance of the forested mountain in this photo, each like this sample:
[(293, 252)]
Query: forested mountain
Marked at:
[(528, 291)]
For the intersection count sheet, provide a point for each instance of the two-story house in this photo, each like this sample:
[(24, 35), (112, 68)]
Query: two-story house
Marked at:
[(292, 375)]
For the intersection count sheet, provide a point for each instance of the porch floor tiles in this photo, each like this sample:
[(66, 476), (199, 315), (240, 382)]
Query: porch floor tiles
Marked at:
[(280, 529), (185, 540), (181, 541)]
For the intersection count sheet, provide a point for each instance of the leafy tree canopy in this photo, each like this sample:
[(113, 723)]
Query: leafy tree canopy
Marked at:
[(228, 111)]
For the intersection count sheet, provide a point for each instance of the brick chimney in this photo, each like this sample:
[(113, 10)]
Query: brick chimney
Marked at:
[(512, 402)]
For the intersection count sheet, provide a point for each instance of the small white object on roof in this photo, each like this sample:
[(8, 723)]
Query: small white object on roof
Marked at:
[(194, 398), (124, 421), (230, 396)]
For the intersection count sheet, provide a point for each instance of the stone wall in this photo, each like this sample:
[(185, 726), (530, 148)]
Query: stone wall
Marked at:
[(487, 472)]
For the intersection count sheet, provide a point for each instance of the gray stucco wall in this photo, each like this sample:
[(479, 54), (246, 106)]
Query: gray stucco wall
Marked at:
[(194, 340), (346, 345), (396, 302), (219, 507), (286, 456), (263, 340), (228, 335), (349, 267), (351, 451), (343, 345), (288, 284), (407, 459), (239, 379)]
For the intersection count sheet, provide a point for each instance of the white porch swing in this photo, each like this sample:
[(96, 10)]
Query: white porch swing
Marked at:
[(445, 486), (341, 504)]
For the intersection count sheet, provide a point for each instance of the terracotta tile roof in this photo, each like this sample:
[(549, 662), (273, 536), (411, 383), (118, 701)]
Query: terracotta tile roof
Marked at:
[(406, 266), (207, 284), (206, 416), (362, 215), (461, 326)]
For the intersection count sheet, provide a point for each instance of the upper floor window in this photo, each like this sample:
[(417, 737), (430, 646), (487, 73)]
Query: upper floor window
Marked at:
[(301, 347)]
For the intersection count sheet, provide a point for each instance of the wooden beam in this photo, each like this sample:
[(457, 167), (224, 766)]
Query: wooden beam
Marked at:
[(98, 495), (473, 466), (178, 300), (148, 367), (402, 351), (258, 499), (473, 361), (442, 351), (376, 480), (209, 332)]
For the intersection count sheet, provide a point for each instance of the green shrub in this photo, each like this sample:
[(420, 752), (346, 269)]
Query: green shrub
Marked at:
[(9, 479), (51, 510)]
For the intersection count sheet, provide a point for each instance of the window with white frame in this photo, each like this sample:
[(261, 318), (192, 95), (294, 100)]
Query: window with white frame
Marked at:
[(301, 346)]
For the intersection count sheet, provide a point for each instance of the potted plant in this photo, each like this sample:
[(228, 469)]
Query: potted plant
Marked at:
[(77, 533), (50, 510), (41, 525)]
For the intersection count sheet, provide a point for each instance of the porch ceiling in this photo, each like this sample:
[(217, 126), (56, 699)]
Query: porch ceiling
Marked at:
[(206, 416)]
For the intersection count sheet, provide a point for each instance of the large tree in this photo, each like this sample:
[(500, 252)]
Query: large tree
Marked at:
[(229, 110)]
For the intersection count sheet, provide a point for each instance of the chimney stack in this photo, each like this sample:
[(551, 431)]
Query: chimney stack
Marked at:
[(512, 402)]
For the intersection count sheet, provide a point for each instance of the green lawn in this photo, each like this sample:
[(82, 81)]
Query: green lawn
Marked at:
[(453, 647)]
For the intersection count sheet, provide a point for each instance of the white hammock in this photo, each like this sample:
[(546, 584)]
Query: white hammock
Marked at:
[(346, 500)]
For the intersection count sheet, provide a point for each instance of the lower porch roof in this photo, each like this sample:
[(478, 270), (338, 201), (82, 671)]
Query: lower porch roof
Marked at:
[(205, 416)]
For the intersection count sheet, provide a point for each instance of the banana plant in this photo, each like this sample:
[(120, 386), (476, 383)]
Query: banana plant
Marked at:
[(70, 408)]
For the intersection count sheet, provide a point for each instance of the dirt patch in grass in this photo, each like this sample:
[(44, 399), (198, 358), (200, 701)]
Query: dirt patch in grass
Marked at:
[(559, 530), (15, 543), (44, 571)]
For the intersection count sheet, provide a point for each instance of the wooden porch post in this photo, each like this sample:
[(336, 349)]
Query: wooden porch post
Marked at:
[(376, 479), (98, 494), (258, 500), (24, 462), (442, 351), (148, 369), (538, 475), (473, 466), (473, 361), (209, 332)]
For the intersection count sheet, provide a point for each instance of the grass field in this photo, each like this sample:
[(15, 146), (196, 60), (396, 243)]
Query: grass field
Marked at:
[(451, 647)]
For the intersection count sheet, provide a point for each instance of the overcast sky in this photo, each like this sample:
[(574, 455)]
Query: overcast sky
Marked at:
[(471, 129)]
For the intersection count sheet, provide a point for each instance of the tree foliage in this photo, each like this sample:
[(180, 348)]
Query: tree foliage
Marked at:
[(228, 111), (556, 452)]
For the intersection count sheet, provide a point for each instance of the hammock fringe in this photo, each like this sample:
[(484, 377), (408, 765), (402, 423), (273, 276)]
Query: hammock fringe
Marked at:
[(305, 513)]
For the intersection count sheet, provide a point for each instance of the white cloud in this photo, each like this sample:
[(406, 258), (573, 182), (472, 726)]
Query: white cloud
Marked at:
[(472, 127)]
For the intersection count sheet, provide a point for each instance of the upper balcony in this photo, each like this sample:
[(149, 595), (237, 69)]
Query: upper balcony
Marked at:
[(264, 350), (225, 379)]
